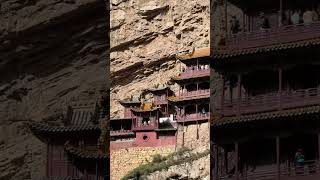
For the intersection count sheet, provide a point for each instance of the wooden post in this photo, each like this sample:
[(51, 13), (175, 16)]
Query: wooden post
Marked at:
[(280, 86), (222, 96), (226, 16), (278, 157), (239, 93), (243, 21), (281, 11), (237, 160), (318, 146), (97, 170)]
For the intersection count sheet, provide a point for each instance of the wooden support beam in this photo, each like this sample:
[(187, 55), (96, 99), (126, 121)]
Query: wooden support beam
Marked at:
[(319, 146), (239, 94), (280, 12), (237, 160), (278, 156), (280, 86), (226, 17)]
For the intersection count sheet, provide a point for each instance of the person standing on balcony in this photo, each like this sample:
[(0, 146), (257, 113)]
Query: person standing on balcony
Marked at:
[(235, 25), (263, 22), (315, 15), (295, 18), (307, 17)]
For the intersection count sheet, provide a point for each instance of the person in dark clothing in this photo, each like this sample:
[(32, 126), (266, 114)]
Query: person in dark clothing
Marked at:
[(263, 22), (235, 25)]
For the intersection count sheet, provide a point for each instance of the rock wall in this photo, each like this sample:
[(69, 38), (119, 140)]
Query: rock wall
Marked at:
[(198, 169), (194, 137), (145, 37), (125, 160), (49, 52)]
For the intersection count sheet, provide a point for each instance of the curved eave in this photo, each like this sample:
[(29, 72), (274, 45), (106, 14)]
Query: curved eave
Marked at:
[(231, 53), (157, 89), (38, 128), (182, 80), (127, 102), (197, 53), (313, 110), (144, 110), (85, 154)]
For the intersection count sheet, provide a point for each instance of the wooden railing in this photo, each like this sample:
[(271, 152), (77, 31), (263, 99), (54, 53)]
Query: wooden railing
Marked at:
[(192, 94), (189, 73), (138, 125), (120, 132), (284, 34), (310, 170), (193, 117), (272, 101)]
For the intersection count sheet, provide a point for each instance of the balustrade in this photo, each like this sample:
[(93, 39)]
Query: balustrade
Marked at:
[(272, 101), (195, 72), (191, 94), (120, 132), (284, 34), (193, 117)]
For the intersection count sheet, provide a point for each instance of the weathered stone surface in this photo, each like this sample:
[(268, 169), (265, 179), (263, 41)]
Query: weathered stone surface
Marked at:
[(138, 42), (50, 50), (124, 160)]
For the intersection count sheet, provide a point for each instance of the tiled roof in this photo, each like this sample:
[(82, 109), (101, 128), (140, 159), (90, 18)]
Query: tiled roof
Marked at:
[(145, 110), (85, 154), (203, 52), (267, 115), (177, 78), (159, 88), (229, 53), (43, 128)]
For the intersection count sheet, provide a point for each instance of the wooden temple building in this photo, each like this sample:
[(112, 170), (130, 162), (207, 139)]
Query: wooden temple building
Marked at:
[(73, 150), (192, 101), (268, 101), (155, 123)]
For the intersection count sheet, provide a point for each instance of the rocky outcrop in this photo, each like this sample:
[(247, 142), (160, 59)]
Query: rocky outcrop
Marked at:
[(145, 37), (49, 52), (198, 169)]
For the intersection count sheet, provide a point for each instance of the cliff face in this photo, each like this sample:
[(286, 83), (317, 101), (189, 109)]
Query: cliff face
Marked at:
[(145, 36), (49, 52)]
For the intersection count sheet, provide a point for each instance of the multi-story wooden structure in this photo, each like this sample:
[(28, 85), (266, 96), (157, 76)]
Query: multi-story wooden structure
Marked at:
[(145, 124), (268, 99), (73, 151), (192, 100)]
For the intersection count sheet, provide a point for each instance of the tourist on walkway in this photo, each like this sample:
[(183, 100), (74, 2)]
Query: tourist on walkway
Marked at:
[(307, 17), (315, 15), (263, 22), (235, 25), (295, 18)]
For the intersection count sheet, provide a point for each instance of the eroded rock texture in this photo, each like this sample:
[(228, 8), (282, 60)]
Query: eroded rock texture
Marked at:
[(145, 37), (50, 50)]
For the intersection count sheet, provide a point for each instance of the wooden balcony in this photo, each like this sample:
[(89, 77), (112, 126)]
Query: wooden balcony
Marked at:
[(309, 171), (120, 132), (194, 73), (272, 102), (139, 126), (194, 94), (279, 35), (193, 117)]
